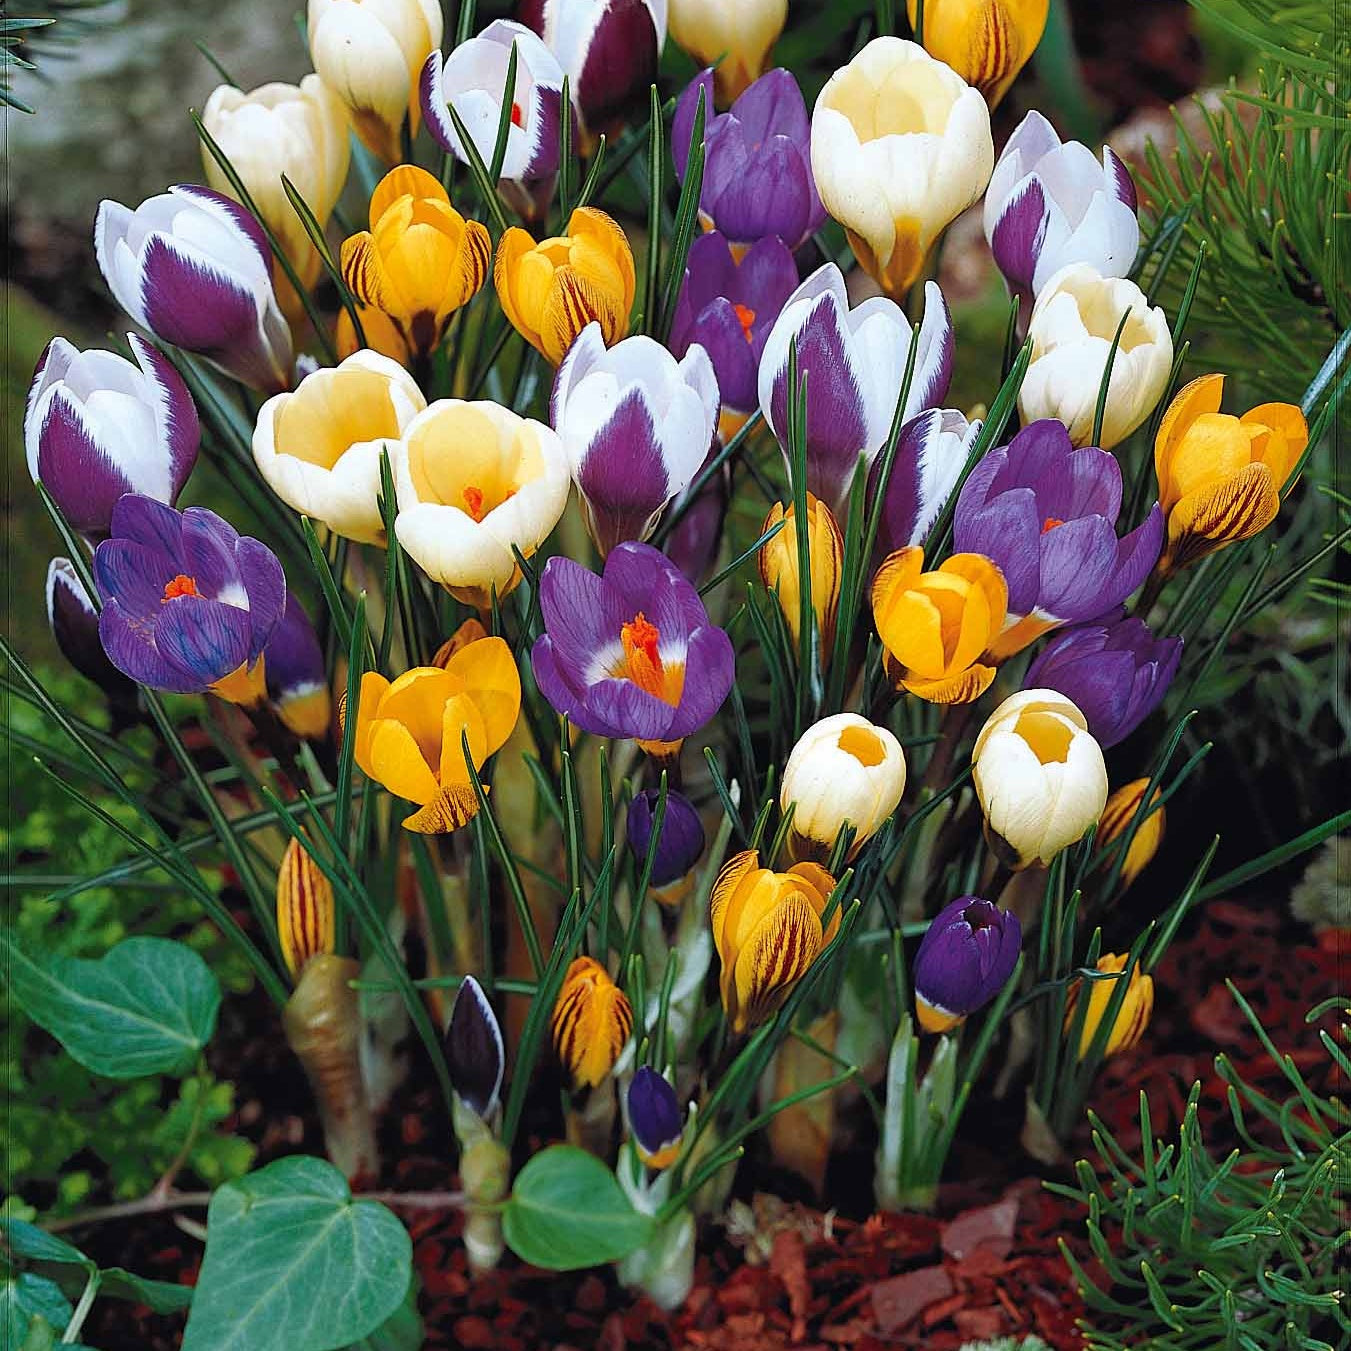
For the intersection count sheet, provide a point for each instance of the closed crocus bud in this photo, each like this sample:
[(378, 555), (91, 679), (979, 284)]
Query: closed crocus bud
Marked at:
[(1132, 1016), (681, 842), (901, 147), (319, 447), (1073, 324), (1039, 776), (420, 260), (305, 912), (370, 55), (738, 37), (297, 684), (852, 362), (767, 930), (475, 1056), (636, 425), (379, 333), (591, 1023), (468, 632), (195, 269), (965, 959), (1122, 808), (1050, 205), (654, 1118), (987, 42), (936, 625), (552, 290), (778, 563), (1220, 477), (75, 626), (844, 770), (96, 426)]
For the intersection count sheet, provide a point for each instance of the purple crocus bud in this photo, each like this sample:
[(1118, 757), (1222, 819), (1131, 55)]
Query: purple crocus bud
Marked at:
[(474, 1053), (696, 539), (636, 425), (188, 603), (195, 269), (1045, 514), (297, 683), (1049, 205), (654, 1118), (966, 957), (682, 835), (853, 363), (97, 426), (728, 306), (1114, 669), (75, 626), (757, 160), (630, 653)]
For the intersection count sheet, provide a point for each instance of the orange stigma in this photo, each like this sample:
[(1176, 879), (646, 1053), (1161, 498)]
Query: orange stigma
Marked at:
[(517, 116), (473, 500), (642, 661), (182, 585), (746, 318), (1050, 523)]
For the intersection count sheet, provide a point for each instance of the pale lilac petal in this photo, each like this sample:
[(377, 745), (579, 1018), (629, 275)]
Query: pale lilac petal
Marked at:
[(581, 614), (554, 683), (619, 708), (1006, 531)]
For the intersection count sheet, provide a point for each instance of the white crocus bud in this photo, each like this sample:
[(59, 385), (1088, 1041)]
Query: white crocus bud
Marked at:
[(1039, 776)]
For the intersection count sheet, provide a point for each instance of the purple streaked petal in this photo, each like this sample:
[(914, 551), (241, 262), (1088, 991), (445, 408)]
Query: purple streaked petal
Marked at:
[(764, 279), (1137, 553), (710, 669), (767, 192), (208, 555), (718, 330), (640, 577), (563, 692), (682, 125), (135, 574), (619, 708), (1078, 563), (146, 521), (192, 302), (582, 616), (1006, 531), (773, 106), (202, 638), (622, 474), (1018, 234), (130, 645), (265, 586), (1119, 179)]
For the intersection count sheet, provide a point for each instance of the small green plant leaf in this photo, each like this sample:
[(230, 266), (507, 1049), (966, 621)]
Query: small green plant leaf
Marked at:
[(24, 1297), (292, 1260)]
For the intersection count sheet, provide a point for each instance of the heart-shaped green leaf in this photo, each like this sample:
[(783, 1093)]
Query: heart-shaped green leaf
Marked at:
[(293, 1261)]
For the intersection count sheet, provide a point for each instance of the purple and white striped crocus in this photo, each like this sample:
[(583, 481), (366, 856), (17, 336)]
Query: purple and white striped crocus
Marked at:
[(630, 653), (757, 160), (853, 363), (1051, 204), (728, 305), (297, 683), (1113, 669), (195, 269), (188, 603), (636, 426), (1045, 514), (966, 957), (75, 626), (96, 426)]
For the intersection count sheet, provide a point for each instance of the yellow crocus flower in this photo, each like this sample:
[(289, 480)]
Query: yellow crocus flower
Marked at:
[(591, 1022), (987, 42)]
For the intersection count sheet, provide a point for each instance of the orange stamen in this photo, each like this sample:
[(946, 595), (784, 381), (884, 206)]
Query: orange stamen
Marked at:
[(517, 116), (643, 664), (1050, 523), (473, 499), (746, 318), (182, 585)]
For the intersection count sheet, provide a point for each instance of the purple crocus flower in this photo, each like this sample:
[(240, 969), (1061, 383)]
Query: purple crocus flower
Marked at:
[(1045, 513), (188, 603), (682, 834), (966, 957), (1113, 669), (297, 683), (654, 1118), (475, 1056), (75, 626), (630, 653), (728, 307), (757, 160), (195, 269)]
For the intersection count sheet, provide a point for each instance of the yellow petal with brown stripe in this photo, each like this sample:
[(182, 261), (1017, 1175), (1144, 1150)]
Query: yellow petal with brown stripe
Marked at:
[(305, 922), (592, 1020), (776, 956)]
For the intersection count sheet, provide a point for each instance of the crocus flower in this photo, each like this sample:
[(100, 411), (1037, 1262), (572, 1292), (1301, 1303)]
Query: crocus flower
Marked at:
[(75, 627), (654, 1118), (1116, 672), (591, 1022), (767, 930), (630, 653), (852, 362), (936, 625), (379, 333), (96, 427), (681, 842), (475, 1055), (411, 732), (1039, 777), (370, 55), (1122, 808), (472, 80), (737, 36), (901, 147), (297, 683), (553, 289), (757, 167), (636, 426), (1050, 205), (420, 260), (844, 770), (778, 564), (987, 42), (965, 958), (1046, 514), (728, 306), (1132, 1017), (1072, 327), (306, 922), (1221, 477), (195, 269), (188, 603), (319, 447)]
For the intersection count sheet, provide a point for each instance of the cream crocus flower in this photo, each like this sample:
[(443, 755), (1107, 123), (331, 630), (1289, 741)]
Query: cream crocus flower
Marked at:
[(474, 479), (1072, 327), (735, 36), (900, 147), (319, 446)]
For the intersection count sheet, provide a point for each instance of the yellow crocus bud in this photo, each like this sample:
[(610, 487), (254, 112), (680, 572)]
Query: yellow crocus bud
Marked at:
[(1220, 477), (468, 632), (1132, 1017), (551, 290), (844, 770), (778, 562), (304, 908), (767, 930), (591, 1022), (936, 625), (736, 36), (987, 42), (379, 331), (1116, 818), (420, 260)]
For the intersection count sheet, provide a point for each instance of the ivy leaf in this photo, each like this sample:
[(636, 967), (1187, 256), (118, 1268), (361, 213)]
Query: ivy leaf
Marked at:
[(567, 1211), (292, 1260), (147, 1007)]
